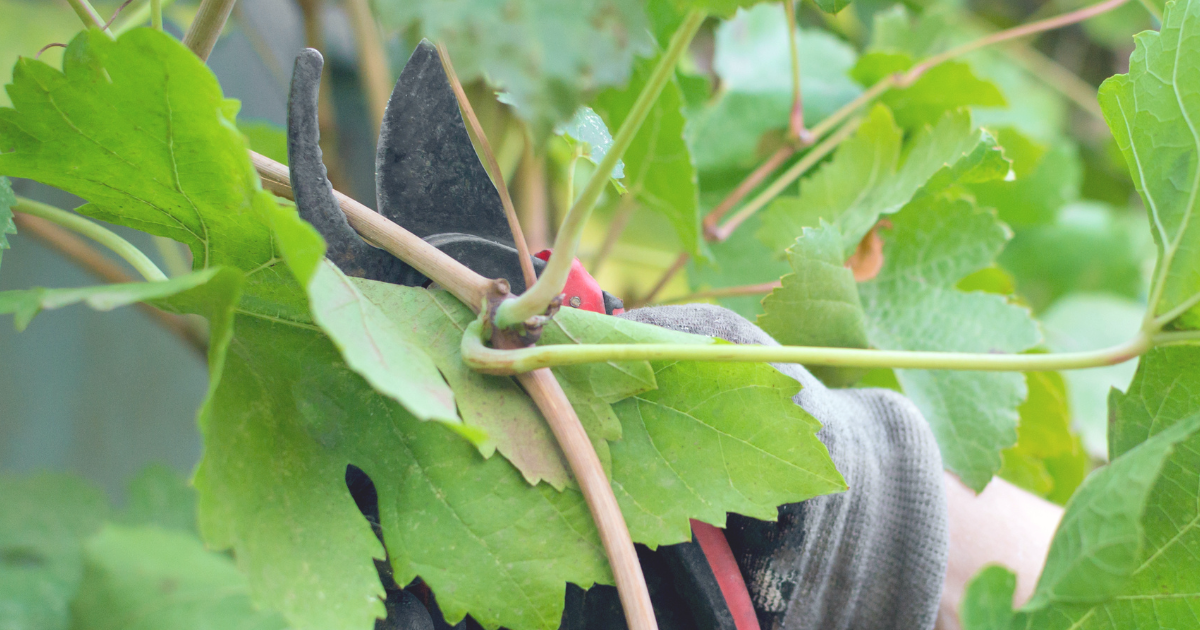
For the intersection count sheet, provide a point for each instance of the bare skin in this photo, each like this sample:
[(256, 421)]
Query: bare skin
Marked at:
[(1001, 525)]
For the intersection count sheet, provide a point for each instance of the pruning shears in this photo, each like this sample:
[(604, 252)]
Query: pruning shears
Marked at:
[(430, 181)]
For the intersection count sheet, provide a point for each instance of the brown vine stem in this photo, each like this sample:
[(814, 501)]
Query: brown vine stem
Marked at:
[(471, 289), (372, 60), (514, 224), (105, 269), (207, 25)]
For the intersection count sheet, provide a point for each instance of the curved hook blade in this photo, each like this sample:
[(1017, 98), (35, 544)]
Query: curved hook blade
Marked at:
[(314, 193)]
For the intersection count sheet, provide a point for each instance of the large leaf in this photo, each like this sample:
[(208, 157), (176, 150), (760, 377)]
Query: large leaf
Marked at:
[(715, 438), (548, 56), (752, 59), (149, 578), (658, 165), (139, 128), (870, 176), (913, 305), (1151, 112), (1165, 390), (1130, 530), (817, 304), (7, 201), (160, 496), (42, 527)]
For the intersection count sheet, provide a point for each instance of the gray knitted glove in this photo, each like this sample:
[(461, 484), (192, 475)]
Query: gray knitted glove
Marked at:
[(871, 558)]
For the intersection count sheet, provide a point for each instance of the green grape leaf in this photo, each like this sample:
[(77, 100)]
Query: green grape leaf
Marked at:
[(1047, 459), (1118, 524), (1043, 180), (1165, 390), (832, 6), (870, 176), (139, 128), (148, 578), (664, 468), (266, 138), (987, 602), (817, 304), (1088, 248), (492, 404), (42, 527), (27, 27), (752, 58), (913, 305), (162, 497), (945, 87), (7, 201), (1150, 112), (287, 418), (546, 55), (587, 129), (24, 304), (658, 166)]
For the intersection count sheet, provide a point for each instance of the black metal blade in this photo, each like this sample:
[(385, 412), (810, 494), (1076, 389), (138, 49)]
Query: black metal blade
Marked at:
[(313, 192), (428, 176)]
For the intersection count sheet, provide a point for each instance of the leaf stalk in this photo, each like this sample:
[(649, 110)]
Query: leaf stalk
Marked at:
[(207, 26), (102, 235), (89, 16), (554, 277)]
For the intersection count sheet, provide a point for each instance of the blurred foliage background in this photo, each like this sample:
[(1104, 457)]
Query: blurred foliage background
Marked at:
[(105, 394)]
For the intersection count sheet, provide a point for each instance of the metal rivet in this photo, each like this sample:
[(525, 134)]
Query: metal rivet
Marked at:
[(576, 301)]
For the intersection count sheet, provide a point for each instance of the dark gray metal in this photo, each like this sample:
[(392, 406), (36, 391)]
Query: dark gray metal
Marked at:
[(427, 174), (313, 192)]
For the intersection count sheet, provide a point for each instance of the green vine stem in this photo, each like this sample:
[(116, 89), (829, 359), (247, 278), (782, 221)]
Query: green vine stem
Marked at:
[(535, 300), (1176, 338), (156, 14), (88, 15), (96, 232), (491, 361)]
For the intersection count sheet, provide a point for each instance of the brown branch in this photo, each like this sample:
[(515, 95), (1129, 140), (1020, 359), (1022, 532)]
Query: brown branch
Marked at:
[(510, 212), (614, 533), (472, 289), (207, 26), (88, 258), (372, 60)]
